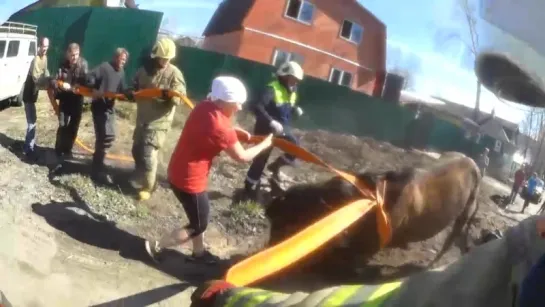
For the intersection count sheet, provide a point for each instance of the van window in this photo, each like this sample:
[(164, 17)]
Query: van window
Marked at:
[(32, 49), (2, 48), (13, 49)]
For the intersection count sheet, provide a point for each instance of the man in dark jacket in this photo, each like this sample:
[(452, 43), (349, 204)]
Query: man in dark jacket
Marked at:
[(273, 112), (37, 76), (520, 176), (72, 72), (107, 77)]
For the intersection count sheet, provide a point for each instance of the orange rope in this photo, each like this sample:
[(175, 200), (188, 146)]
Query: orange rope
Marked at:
[(293, 249), (145, 93)]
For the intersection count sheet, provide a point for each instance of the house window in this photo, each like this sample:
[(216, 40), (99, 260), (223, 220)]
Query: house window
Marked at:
[(280, 57), (497, 146), (300, 10), (340, 77), (32, 49), (352, 31), (13, 49)]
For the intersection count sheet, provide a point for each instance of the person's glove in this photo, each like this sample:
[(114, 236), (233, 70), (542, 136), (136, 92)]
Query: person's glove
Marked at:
[(66, 86), (276, 127), (129, 94), (165, 94), (298, 111), (205, 295)]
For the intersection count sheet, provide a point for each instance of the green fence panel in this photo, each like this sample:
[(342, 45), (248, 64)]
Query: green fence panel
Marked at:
[(446, 136), (98, 31)]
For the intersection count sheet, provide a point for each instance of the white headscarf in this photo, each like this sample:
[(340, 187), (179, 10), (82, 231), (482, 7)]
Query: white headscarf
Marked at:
[(228, 89)]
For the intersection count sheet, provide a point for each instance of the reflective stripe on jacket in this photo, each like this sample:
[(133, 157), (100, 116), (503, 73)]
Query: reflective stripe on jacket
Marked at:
[(350, 295)]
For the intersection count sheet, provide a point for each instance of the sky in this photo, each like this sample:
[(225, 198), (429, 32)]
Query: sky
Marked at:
[(441, 67)]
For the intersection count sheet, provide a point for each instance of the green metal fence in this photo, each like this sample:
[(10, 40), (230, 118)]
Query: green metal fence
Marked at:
[(98, 31)]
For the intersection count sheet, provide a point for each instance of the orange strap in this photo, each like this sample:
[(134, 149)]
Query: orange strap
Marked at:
[(85, 91), (284, 254), (293, 249)]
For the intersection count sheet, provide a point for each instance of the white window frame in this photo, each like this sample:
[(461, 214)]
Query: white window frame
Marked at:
[(290, 56), (341, 76), (350, 38), (497, 146), (288, 2)]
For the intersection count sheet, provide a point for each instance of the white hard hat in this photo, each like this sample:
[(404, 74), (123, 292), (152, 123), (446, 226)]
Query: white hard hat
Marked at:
[(228, 89), (292, 69)]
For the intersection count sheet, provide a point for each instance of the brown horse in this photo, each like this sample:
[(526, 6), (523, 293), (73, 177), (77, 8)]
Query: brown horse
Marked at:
[(420, 205)]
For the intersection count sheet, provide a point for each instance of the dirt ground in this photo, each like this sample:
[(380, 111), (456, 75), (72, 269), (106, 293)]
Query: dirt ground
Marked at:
[(67, 242)]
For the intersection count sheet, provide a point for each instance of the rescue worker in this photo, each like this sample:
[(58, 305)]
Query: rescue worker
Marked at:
[(72, 72), (508, 271), (154, 116), (273, 112), (36, 78), (107, 77), (207, 132)]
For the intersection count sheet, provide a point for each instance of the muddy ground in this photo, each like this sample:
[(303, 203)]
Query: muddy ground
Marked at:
[(67, 242)]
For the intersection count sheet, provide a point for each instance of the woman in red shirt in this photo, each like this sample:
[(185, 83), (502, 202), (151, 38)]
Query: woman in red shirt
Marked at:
[(207, 132)]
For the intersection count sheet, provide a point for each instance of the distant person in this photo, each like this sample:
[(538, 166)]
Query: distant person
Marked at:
[(273, 112), (207, 132), (533, 182), (154, 116), (107, 77), (72, 72), (520, 176), (36, 80), (483, 161)]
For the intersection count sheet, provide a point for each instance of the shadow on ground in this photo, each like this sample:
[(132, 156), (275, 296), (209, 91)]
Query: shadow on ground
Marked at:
[(78, 221), (80, 166), (148, 297)]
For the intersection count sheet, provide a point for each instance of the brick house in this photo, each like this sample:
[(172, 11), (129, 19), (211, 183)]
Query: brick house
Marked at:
[(339, 41)]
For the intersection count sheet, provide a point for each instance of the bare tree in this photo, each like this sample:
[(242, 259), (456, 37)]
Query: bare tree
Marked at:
[(467, 11)]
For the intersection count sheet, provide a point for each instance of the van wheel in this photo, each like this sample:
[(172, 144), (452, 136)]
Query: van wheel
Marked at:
[(17, 101)]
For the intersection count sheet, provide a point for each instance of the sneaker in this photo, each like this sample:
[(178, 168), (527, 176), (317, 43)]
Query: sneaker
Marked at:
[(144, 195), (206, 257), (102, 178), (31, 156), (56, 171), (153, 250)]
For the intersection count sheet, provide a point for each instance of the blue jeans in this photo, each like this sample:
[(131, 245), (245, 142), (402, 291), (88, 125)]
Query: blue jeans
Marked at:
[(30, 138)]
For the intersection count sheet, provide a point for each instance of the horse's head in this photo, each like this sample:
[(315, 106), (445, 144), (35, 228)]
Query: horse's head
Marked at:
[(395, 182)]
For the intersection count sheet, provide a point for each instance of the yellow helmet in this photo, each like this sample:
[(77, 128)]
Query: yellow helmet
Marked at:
[(164, 48)]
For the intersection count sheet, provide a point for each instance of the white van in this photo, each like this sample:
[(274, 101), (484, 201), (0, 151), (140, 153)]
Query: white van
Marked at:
[(18, 46)]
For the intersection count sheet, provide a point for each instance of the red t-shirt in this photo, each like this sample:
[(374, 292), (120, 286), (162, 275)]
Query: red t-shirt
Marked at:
[(206, 133), (519, 177)]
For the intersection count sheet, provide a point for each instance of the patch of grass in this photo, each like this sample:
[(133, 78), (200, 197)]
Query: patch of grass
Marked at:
[(248, 208)]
